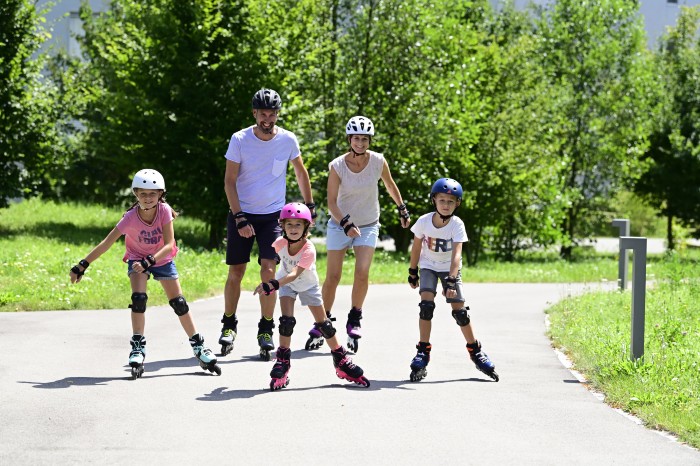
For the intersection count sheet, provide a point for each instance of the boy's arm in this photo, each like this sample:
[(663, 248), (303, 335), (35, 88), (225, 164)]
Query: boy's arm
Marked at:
[(450, 288), (76, 273), (413, 265)]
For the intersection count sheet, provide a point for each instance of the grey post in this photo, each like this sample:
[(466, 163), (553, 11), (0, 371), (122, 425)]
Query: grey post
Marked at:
[(624, 226), (639, 284)]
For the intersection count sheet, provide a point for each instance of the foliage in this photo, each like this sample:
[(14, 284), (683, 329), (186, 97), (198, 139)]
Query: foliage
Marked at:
[(167, 84), (671, 183), (594, 54), (31, 119)]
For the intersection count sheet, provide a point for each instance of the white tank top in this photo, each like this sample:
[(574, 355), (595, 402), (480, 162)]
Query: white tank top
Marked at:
[(358, 194)]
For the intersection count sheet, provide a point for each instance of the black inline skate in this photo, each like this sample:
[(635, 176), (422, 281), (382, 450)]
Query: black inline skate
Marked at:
[(205, 356), (280, 369), (346, 369), (481, 360), (419, 364), (228, 333), (137, 355), (265, 338)]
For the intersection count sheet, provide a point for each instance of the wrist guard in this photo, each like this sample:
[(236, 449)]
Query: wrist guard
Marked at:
[(270, 287), (346, 224), (82, 263), (450, 283), (147, 262), (403, 212), (312, 209), (241, 220), (413, 276)]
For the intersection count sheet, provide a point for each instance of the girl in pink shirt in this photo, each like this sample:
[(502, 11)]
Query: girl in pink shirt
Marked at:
[(150, 250), (297, 277)]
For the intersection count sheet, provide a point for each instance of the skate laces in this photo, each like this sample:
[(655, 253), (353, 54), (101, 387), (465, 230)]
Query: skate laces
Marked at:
[(228, 332)]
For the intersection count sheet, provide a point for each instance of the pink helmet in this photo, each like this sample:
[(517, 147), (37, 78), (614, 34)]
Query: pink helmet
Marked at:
[(296, 210)]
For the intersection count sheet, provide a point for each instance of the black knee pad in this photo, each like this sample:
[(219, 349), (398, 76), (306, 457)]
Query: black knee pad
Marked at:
[(461, 316), (287, 324), (326, 328), (179, 305), (138, 302), (426, 309)]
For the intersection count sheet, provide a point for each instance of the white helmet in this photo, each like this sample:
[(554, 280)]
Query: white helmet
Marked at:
[(359, 125), (148, 179)]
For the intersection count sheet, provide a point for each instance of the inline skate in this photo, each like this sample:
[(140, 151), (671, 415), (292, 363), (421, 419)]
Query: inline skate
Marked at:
[(137, 355), (265, 338), (205, 356), (419, 364), (346, 369), (353, 328), (316, 339), (228, 333), (481, 360), (280, 369)]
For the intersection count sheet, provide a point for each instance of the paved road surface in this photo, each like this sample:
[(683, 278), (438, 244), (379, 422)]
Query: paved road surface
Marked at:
[(66, 397)]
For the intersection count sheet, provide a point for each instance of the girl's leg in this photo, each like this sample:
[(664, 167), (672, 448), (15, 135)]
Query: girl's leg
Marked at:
[(173, 290), (319, 314), (363, 262), (334, 271), (287, 307), (138, 319)]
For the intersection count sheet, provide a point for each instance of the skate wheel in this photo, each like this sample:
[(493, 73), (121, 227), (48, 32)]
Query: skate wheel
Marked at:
[(215, 369), (136, 372), (264, 355), (494, 376), (226, 349), (364, 381), (353, 344)]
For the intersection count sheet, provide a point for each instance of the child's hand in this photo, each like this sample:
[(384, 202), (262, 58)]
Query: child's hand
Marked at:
[(413, 277), (267, 288), (77, 271), (449, 287)]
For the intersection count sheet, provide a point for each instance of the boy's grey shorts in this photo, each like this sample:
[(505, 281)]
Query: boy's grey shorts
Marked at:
[(429, 281), (310, 297)]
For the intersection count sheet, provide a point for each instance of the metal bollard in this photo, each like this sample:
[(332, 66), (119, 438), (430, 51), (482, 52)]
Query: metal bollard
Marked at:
[(639, 284), (624, 226)]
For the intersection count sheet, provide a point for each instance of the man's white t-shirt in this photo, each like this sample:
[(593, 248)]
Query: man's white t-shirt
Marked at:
[(436, 253), (262, 176)]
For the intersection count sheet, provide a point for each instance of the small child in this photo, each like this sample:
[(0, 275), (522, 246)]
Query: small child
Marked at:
[(297, 276), (150, 250), (437, 250)]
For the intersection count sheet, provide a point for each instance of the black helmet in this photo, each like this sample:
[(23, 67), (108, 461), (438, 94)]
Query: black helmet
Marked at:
[(267, 99)]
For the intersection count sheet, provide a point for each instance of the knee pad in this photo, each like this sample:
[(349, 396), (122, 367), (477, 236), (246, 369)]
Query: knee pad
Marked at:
[(461, 316), (287, 324), (179, 305), (326, 328), (138, 302), (426, 309)]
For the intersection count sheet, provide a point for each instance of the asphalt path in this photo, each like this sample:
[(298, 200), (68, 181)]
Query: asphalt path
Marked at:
[(66, 396)]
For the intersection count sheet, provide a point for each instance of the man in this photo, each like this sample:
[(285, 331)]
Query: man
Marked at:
[(255, 183)]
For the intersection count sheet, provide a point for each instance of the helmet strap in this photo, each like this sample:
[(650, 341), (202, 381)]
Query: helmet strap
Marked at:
[(292, 241), (444, 218)]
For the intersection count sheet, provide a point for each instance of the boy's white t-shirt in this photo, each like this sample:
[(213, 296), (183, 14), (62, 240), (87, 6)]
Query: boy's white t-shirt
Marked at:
[(305, 258), (436, 253), (262, 177)]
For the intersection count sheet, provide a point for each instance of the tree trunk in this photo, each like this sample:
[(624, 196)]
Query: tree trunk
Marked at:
[(669, 233)]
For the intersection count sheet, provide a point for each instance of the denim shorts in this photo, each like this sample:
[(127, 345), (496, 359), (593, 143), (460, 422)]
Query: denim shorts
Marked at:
[(162, 272), (336, 240), (429, 282), (310, 297)]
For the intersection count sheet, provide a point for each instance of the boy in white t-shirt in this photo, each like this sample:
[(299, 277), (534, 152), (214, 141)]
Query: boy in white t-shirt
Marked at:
[(437, 250), (297, 277)]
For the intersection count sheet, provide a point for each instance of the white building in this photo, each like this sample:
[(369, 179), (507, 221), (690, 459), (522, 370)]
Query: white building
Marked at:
[(64, 23)]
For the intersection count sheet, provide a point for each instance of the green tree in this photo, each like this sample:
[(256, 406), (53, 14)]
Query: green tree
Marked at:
[(671, 183), (594, 53), (168, 83), (31, 146)]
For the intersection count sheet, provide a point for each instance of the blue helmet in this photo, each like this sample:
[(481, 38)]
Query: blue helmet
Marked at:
[(447, 186)]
